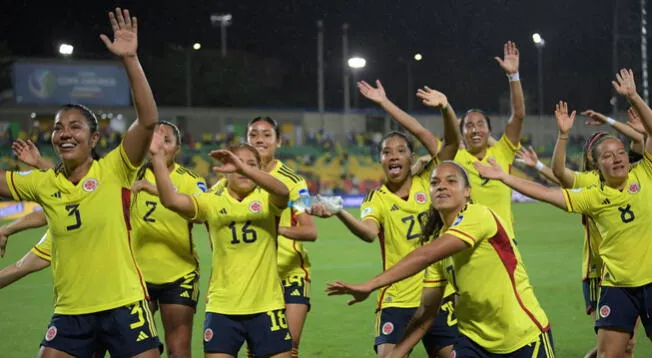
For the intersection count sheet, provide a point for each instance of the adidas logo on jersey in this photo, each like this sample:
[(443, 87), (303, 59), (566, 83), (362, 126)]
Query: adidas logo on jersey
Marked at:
[(606, 202), (223, 211), (185, 294), (57, 194), (394, 208), (295, 293), (141, 336)]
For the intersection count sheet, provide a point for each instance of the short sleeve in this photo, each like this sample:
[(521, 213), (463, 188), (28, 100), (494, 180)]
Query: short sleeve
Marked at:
[(434, 276), (584, 179), (118, 162), (371, 208), (473, 225), (221, 184), (204, 204), (506, 149), (24, 186), (645, 164), (582, 200), (43, 248)]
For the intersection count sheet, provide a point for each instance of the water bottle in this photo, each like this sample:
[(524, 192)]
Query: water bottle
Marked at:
[(303, 203)]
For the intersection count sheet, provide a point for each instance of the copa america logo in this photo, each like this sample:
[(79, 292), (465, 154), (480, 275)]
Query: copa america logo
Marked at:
[(42, 83)]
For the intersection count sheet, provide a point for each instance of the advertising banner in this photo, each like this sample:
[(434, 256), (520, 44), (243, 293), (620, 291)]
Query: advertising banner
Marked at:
[(12, 210)]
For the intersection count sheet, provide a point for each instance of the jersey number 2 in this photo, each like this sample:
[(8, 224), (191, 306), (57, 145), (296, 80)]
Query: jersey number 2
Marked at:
[(148, 215), (73, 210), (249, 235), (410, 220)]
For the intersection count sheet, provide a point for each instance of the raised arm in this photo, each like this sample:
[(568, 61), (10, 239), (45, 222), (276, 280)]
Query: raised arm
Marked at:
[(510, 64), (564, 123), (410, 123), (367, 230), (28, 153), (170, 198), (452, 136), (416, 261), (230, 163), (125, 45), (420, 322), (626, 86), (529, 157), (29, 221), (622, 128), (526, 187)]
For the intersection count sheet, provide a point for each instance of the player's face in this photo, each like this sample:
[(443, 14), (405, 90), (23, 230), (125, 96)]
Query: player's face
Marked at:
[(396, 159), (261, 135), (448, 190), (240, 183), (475, 131), (169, 142), (613, 160), (71, 136)]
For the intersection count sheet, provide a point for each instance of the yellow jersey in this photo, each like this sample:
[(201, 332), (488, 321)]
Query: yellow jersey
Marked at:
[(244, 275), (90, 227), (43, 248), (399, 221), (492, 193), (497, 308), (622, 218), (292, 256), (163, 241), (591, 261)]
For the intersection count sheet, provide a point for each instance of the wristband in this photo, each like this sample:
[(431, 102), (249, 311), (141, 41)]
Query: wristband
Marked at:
[(513, 77), (539, 165), (610, 121)]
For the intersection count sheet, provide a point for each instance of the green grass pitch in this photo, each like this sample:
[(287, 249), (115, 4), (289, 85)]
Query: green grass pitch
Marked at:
[(550, 242)]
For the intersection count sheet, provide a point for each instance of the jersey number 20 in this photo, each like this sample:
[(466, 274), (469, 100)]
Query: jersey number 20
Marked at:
[(411, 221)]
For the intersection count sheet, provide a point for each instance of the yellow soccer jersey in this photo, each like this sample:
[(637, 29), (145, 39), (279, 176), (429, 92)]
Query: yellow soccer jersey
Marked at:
[(90, 227), (292, 256), (622, 218), (499, 312), (163, 241), (244, 276), (492, 193), (43, 248), (591, 261), (399, 220)]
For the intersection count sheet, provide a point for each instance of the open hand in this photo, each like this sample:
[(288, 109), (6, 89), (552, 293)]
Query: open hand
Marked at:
[(376, 94), (157, 145), (26, 151), (143, 185), (491, 171), (595, 118), (125, 34), (510, 62), (528, 156), (359, 292), (564, 121), (625, 84), (432, 97), (635, 121), (229, 162)]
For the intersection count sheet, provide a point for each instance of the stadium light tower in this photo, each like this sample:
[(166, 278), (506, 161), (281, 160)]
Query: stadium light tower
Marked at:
[(539, 43), (196, 46), (356, 64), (66, 49), (222, 20)]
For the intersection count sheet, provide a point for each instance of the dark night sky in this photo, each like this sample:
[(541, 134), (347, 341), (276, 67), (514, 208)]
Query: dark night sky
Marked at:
[(458, 40)]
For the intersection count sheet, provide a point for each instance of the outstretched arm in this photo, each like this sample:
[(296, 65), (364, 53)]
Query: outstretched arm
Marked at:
[(28, 264), (367, 230), (125, 45), (30, 221), (529, 157), (565, 176), (28, 153), (410, 123), (452, 136), (622, 128), (305, 231), (626, 87), (529, 188), (510, 64)]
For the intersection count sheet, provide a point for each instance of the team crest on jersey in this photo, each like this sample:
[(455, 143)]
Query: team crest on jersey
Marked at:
[(388, 328), (51, 333), (25, 172), (255, 206), (634, 188), (208, 335), (458, 220), (605, 311), (420, 197), (90, 184)]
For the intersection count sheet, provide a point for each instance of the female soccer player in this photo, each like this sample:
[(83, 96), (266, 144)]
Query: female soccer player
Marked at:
[(498, 315), (245, 299), (619, 206), (263, 133), (100, 294), (394, 213), (475, 127)]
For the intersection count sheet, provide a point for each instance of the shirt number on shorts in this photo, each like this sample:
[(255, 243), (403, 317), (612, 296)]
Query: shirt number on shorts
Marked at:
[(626, 214), (248, 234), (277, 319), (148, 215), (137, 311), (450, 310), (73, 210)]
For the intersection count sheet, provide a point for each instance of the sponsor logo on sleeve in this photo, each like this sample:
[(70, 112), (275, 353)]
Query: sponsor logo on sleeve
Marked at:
[(201, 186), (365, 212)]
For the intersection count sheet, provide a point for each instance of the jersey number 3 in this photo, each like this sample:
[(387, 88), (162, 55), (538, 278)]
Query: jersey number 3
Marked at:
[(73, 210)]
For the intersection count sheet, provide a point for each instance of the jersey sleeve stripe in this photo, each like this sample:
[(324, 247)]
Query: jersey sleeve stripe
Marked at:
[(463, 234), (289, 175), (569, 202), (291, 171), (14, 189), (434, 281), (41, 254), (195, 205)]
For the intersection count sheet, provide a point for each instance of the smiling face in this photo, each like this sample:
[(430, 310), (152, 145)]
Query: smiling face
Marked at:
[(612, 160), (262, 136), (475, 131), (238, 182), (72, 136), (449, 188), (396, 159)]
